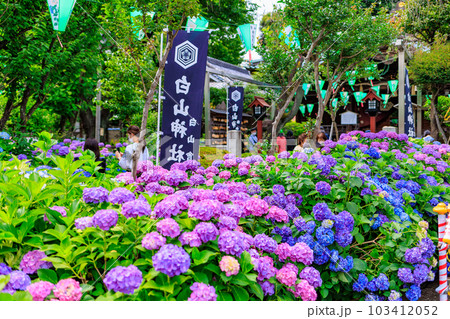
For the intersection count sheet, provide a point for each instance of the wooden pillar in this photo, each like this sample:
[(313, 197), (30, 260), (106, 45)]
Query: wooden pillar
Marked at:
[(419, 113), (259, 130), (401, 89), (373, 124), (207, 112)]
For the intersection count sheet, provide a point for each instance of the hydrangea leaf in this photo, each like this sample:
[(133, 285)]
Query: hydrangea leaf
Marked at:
[(48, 275), (359, 265)]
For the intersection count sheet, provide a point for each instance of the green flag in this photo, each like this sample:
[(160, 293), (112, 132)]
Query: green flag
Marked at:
[(60, 11), (302, 109), (306, 88), (247, 33), (197, 23), (393, 85), (310, 108), (323, 92), (359, 96)]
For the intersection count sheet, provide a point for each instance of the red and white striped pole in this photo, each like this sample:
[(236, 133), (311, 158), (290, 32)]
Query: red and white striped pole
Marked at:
[(442, 210)]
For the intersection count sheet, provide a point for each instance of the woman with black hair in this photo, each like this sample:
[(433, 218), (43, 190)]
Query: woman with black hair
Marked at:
[(92, 145), (126, 159)]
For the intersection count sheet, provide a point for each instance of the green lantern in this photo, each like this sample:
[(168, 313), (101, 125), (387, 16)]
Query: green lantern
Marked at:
[(334, 103), (323, 93), (393, 85), (351, 75), (344, 97), (306, 88), (302, 109), (376, 89), (247, 33), (310, 108), (385, 99), (359, 96), (197, 24), (60, 11), (290, 37), (321, 84)]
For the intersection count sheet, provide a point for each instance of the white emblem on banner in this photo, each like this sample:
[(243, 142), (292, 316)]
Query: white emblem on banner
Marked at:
[(234, 108), (181, 109), (189, 156), (191, 139), (235, 96), (178, 128), (182, 85), (234, 117), (192, 122), (176, 155), (186, 54)]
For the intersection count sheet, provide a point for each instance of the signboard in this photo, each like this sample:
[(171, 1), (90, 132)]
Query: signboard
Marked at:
[(349, 118)]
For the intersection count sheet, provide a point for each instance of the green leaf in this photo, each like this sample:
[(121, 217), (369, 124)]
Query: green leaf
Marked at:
[(202, 257), (224, 296), (22, 296), (355, 181), (246, 262), (352, 208), (48, 275), (359, 265), (257, 290), (344, 277), (4, 279), (359, 238), (324, 292), (239, 293), (240, 279)]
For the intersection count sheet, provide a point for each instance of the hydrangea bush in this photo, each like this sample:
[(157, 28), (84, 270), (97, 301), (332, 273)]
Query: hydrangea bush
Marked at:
[(354, 221)]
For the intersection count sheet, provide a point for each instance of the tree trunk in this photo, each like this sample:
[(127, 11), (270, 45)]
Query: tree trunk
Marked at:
[(433, 124), (438, 124), (8, 107), (88, 120), (137, 153), (105, 116), (62, 124), (297, 101)]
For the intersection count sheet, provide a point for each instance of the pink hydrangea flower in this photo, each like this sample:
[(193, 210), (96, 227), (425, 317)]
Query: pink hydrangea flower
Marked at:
[(278, 214), (286, 276), (229, 265), (40, 290), (68, 290), (225, 175)]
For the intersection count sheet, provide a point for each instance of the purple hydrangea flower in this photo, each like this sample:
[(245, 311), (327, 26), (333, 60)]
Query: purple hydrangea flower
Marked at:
[(121, 195), (83, 223), (301, 252), (264, 267), (33, 260), (190, 238), (4, 269), (171, 260), (227, 222), (176, 177), (171, 206), (205, 209), (323, 188), (265, 243), (312, 276), (232, 243), (405, 275), (283, 251), (105, 219), (202, 292), (18, 280), (268, 288), (413, 255), (168, 227), (206, 231), (95, 195), (413, 293), (123, 279), (255, 207), (135, 208), (153, 241), (321, 211)]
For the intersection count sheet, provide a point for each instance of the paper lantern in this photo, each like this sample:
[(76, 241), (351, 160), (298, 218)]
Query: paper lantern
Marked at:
[(376, 89), (344, 97), (310, 108), (306, 88), (247, 33), (393, 85), (197, 24), (60, 11), (302, 109)]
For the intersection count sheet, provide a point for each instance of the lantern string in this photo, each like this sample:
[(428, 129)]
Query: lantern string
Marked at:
[(59, 40)]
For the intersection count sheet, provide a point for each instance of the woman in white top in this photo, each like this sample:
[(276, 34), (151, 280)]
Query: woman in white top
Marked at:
[(301, 143), (126, 159)]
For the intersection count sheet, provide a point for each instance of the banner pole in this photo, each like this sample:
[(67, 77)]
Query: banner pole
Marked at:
[(158, 128), (442, 210)]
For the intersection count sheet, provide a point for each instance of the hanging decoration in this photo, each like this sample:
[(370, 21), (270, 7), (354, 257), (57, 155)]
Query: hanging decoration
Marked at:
[(310, 108), (60, 11), (359, 96), (290, 37), (376, 89), (385, 98), (371, 68), (140, 34), (334, 103), (321, 84), (306, 88), (344, 97), (323, 93), (393, 84), (302, 109), (351, 75), (197, 24), (247, 33)]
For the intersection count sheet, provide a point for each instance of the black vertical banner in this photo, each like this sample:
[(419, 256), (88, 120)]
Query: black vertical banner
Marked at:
[(409, 117), (184, 81), (235, 106)]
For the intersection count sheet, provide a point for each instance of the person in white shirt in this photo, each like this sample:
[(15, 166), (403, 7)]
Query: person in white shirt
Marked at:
[(126, 159)]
